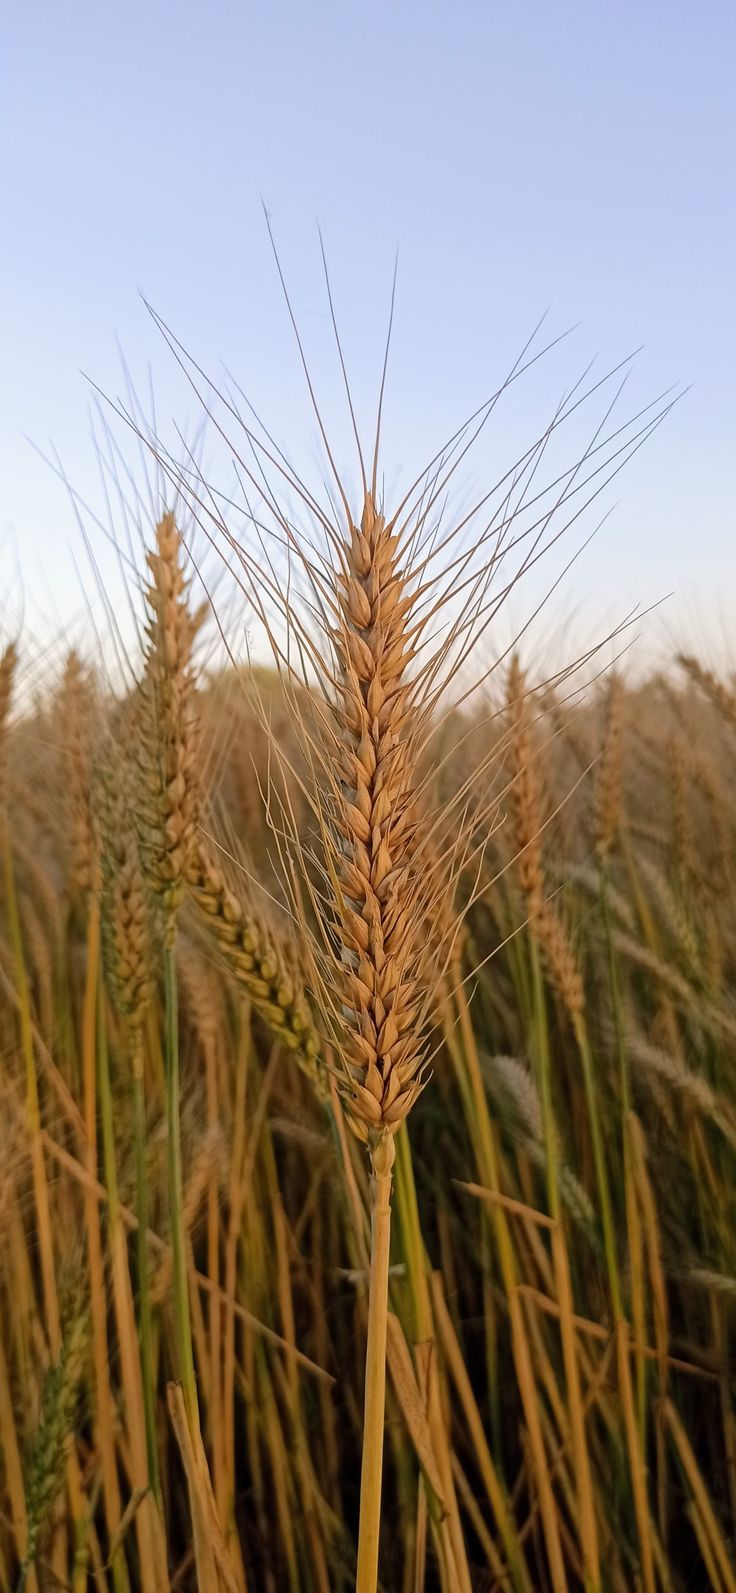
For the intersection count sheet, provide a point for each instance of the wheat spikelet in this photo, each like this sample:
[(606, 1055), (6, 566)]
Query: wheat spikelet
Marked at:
[(509, 1077), (77, 709), (168, 725), (45, 1459), (652, 964), (378, 895), (560, 959), (674, 917), (544, 922), (256, 955), (719, 695), (692, 1088), (126, 939), (513, 1079)]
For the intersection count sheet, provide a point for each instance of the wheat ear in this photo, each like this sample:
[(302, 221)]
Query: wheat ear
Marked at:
[(714, 689), (46, 1450), (376, 885), (259, 959), (77, 708), (169, 727)]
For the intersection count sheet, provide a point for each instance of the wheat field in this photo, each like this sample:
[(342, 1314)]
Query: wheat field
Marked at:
[(368, 1102)]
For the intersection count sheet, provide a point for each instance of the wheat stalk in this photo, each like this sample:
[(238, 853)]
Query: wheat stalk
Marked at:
[(167, 823), (381, 927), (375, 897), (127, 947)]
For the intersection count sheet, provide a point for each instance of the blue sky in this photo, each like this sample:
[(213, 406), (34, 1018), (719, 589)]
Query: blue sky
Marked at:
[(519, 155)]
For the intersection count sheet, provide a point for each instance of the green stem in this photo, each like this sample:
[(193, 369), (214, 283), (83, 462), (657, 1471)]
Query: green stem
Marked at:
[(176, 1189)]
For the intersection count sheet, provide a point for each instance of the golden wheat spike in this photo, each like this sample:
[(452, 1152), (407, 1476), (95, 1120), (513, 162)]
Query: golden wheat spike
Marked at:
[(525, 793), (374, 854), (168, 724)]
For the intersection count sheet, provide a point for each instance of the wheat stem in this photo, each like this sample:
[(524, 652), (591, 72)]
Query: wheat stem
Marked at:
[(375, 1369), (176, 1186), (560, 1262), (145, 1328)]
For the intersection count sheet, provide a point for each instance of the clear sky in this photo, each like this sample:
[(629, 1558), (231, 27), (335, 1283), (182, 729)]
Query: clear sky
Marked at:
[(577, 154)]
